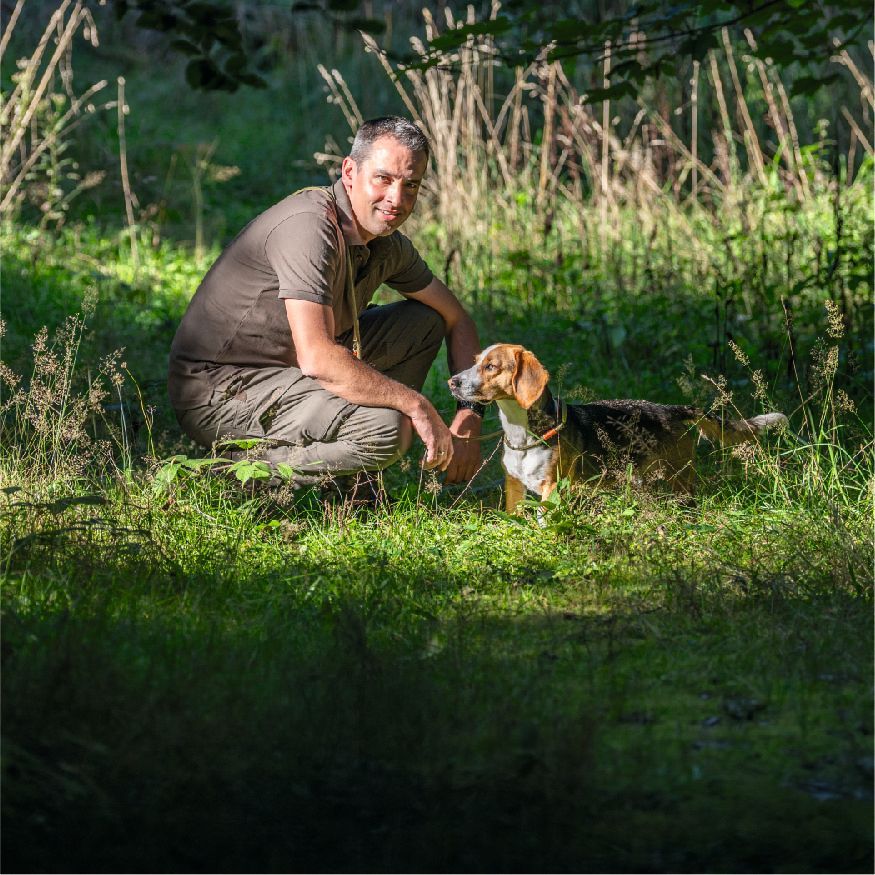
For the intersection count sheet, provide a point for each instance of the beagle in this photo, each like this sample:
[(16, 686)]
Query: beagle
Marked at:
[(546, 439)]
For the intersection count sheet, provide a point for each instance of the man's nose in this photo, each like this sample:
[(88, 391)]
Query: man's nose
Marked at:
[(394, 192)]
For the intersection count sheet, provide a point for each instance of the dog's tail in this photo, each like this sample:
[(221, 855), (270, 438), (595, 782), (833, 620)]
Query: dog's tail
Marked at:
[(730, 432)]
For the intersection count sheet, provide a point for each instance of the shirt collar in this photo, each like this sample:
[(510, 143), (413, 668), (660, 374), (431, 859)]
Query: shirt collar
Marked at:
[(347, 222)]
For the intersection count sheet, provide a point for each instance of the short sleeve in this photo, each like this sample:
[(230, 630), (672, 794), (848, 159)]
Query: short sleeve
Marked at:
[(408, 272), (304, 252)]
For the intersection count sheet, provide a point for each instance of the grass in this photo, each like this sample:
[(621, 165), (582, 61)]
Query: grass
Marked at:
[(422, 688), (190, 687), (198, 677)]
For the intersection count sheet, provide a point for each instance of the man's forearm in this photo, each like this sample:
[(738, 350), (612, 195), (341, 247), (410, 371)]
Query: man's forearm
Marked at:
[(341, 373), (463, 344), (337, 370)]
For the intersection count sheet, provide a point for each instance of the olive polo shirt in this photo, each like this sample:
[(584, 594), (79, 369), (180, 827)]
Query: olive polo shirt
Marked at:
[(295, 249)]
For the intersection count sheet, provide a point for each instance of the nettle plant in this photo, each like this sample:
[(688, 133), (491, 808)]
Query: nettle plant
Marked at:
[(245, 470)]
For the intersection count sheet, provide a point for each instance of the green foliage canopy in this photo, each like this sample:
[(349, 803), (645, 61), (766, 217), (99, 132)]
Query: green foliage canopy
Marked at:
[(646, 38), (208, 33)]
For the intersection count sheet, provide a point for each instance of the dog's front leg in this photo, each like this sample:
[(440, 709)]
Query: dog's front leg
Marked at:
[(547, 489), (514, 493)]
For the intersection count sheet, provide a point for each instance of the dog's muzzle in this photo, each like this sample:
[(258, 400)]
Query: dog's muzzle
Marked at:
[(462, 388)]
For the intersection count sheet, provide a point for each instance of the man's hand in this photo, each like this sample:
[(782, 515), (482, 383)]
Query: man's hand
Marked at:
[(335, 369), (466, 455), (462, 347), (435, 435)]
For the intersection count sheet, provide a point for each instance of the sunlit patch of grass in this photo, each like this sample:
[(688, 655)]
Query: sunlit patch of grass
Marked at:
[(445, 671), (272, 680)]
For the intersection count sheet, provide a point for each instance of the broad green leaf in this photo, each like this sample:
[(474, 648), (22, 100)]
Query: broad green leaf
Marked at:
[(197, 464), (240, 444), (248, 469), (287, 472)]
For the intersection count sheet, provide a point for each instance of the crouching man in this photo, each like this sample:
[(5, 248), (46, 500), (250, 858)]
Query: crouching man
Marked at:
[(279, 344)]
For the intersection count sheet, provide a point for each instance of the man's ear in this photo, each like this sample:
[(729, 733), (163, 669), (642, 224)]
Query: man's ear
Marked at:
[(529, 378), (346, 169)]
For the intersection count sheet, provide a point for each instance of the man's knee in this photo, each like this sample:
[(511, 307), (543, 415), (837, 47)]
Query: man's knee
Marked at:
[(431, 324), (399, 439), (380, 436), (405, 435)]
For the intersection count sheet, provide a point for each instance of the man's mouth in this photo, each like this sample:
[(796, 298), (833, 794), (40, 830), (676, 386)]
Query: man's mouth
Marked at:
[(391, 215)]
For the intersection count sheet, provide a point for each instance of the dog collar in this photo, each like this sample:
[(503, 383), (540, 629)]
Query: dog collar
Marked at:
[(561, 420)]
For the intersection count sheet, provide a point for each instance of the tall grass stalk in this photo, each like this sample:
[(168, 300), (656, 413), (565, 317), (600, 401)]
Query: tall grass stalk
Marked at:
[(38, 117), (123, 110), (491, 184)]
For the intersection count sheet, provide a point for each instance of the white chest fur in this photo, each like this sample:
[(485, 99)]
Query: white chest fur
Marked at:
[(532, 465)]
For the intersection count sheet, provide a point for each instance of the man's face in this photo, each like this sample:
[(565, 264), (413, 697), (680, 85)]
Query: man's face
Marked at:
[(383, 188)]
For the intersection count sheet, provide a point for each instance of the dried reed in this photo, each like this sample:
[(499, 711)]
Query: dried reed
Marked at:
[(485, 162), (37, 118)]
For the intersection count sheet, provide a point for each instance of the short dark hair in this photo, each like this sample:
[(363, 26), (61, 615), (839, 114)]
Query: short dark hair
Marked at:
[(404, 131)]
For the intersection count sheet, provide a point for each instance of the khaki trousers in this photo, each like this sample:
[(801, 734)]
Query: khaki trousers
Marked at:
[(310, 429)]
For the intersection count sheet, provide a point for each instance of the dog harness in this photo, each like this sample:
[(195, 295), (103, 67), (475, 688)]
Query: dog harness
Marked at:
[(561, 421)]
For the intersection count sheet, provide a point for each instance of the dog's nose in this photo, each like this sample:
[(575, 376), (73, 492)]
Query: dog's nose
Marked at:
[(454, 382)]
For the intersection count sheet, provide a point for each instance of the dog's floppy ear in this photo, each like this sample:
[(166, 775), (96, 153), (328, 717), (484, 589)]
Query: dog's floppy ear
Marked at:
[(529, 378)]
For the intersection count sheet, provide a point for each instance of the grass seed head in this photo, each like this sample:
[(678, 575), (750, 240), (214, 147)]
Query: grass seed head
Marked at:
[(835, 320), (738, 352)]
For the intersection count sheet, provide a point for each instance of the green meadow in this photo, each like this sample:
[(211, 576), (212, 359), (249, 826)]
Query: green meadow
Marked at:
[(201, 673)]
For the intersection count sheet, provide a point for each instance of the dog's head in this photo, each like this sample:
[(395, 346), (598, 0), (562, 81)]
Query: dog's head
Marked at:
[(502, 371)]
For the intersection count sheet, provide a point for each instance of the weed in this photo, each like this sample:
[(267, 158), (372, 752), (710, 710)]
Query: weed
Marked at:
[(49, 426)]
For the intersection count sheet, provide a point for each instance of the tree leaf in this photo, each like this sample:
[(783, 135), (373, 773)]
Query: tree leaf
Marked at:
[(614, 92), (452, 39), (157, 20), (812, 84), (252, 80), (186, 47)]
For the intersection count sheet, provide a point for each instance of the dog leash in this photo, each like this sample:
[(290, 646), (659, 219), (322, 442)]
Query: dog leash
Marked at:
[(561, 416), (484, 437)]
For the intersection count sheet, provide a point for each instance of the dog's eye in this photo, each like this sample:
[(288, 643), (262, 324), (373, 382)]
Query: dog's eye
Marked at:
[(490, 367)]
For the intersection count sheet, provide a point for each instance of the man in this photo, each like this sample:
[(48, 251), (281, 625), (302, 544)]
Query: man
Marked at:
[(265, 349)]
